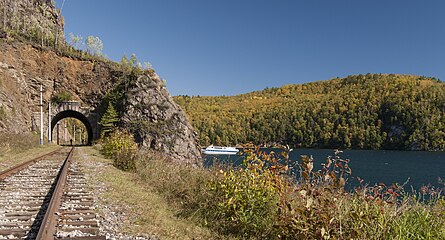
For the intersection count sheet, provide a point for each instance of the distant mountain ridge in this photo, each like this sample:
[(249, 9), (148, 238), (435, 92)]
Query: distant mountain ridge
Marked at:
[(372, 111)]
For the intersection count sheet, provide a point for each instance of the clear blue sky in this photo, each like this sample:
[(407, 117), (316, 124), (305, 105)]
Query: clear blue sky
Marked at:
[(228, 47)]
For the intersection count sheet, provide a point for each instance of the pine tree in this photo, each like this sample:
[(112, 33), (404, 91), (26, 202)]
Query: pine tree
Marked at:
[(109, 119)]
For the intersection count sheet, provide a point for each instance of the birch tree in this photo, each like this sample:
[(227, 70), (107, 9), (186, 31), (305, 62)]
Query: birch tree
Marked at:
[(94, 45)]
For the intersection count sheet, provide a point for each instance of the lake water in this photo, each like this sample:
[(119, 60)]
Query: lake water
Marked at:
[(417, 167)]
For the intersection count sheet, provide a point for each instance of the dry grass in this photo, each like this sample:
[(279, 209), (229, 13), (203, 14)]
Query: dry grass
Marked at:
[(17, 142), (18, 148)]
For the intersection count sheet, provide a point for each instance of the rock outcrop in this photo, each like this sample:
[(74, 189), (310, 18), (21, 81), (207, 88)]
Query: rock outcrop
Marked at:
[(157, 121)]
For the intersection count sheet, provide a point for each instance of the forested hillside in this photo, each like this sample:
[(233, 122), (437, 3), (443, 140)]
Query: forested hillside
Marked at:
[(372, 111)]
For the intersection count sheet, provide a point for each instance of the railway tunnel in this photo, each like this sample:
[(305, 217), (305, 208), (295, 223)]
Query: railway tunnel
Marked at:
[(73, 109), (77, 115)]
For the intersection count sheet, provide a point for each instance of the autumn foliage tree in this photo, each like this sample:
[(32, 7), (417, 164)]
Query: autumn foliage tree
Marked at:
[(372, 111)]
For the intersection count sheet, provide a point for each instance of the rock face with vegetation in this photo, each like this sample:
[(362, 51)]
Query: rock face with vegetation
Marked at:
[(36, 20), (157, 121), (140, 98), (372, 111), (24, 67)]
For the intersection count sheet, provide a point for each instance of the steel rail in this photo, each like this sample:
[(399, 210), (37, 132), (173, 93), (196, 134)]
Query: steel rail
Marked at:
[(48, 226), (8, 172)]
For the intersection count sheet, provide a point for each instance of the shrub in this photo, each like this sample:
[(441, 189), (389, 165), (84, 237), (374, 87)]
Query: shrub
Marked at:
[(309, 206), (121, 147), (245, 200), (63, 96)]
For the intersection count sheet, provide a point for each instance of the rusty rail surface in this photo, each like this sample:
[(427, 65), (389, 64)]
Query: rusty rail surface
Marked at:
[(48, 227), (8, 172)]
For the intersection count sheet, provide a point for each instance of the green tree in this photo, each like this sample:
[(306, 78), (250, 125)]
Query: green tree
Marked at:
[(125, 64), (109, 120), (133, 60), (132, 64)]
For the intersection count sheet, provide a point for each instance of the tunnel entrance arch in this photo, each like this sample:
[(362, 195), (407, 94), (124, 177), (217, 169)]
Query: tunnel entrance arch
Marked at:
[(77, 115)]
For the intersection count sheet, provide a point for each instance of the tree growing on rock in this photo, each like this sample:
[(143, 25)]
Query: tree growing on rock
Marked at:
[(125, 64), (132, 65), (109, 120)]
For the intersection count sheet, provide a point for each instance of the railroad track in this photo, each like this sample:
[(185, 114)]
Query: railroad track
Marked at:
[(47, 198)]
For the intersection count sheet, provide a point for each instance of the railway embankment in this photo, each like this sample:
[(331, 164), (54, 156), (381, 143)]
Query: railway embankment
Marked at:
[(128, 206)]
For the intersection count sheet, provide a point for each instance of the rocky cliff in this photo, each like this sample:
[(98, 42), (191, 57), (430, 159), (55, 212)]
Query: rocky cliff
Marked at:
[(146, 107), (157, 121), (32, 19)]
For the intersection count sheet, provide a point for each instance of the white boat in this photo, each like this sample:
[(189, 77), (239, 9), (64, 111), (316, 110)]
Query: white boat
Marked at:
[(216, 150)]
